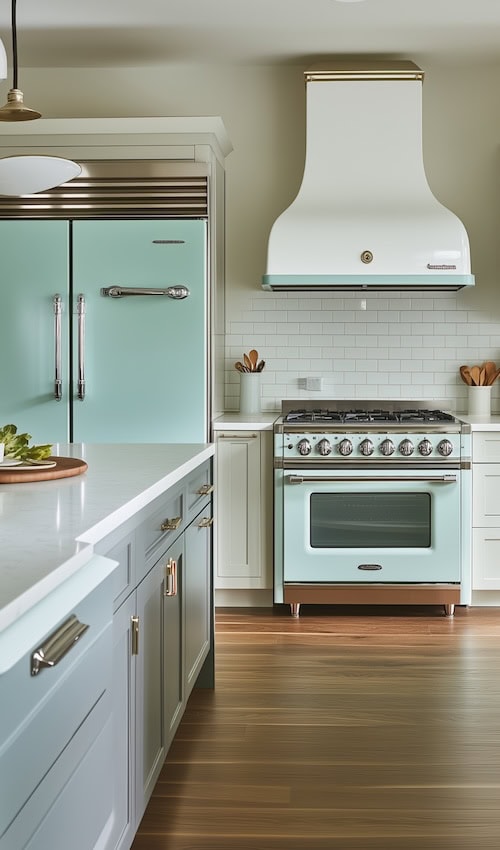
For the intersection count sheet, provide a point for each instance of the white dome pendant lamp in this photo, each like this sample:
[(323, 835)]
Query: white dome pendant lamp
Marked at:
[(26, 175)]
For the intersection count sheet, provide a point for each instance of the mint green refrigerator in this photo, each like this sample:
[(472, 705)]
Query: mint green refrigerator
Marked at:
[(104, 330)]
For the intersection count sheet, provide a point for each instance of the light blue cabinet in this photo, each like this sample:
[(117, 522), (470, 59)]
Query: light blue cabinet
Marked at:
[(82, 743), (56, 734), (130, 369), (162, 636)]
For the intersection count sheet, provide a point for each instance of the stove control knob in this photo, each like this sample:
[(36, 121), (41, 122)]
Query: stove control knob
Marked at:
[(345, 448), (366, 447), (406, 447), (386, 447), (324, 447), (445, 448), (304, 447), (425, 448)]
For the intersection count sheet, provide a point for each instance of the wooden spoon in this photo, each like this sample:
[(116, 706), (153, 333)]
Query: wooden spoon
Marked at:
[(494, 376), (240, 367), (482, 377), (490, 369), (247, 362), (253, 356), (466, 375), (260, 365), (475, 373)]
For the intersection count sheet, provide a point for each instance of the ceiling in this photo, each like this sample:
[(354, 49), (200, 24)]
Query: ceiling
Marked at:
[(113, 33)]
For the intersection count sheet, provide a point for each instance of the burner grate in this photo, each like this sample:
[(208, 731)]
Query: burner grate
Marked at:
[(409, 415)]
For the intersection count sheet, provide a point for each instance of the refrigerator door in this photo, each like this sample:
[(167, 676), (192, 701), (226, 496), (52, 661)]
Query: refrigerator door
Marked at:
[(34, 262), (144, 356)]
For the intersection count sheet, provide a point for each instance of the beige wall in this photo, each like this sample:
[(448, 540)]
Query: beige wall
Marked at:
[(263, 110)]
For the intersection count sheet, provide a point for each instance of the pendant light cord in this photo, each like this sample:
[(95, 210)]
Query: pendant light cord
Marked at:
[(14, 45)]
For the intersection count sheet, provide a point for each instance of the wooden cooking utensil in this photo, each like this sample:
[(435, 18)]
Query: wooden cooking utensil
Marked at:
[(247, 362), (482, 377), (253, 356), (466, 375), (475, 373), (260, 365), (240, 367), (494, 376), (490, 369)]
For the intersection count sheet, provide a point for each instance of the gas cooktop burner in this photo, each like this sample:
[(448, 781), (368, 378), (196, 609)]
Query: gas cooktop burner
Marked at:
[(375, 415)]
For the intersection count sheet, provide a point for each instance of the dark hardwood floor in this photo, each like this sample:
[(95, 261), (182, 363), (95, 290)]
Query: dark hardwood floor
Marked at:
[(347, 729)]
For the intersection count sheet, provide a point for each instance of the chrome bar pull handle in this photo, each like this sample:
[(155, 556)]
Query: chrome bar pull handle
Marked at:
[(81, 346), (446, 478), (57, 302), (57, 645), (176, 292)]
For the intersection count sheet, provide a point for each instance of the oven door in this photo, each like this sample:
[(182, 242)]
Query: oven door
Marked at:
[(386, 526)]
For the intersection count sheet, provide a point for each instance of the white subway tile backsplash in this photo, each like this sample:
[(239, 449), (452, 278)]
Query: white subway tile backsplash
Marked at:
[(363, 346)]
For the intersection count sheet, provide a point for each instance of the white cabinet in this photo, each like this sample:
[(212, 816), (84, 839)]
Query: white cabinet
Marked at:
[(244, 510), (486, 510)]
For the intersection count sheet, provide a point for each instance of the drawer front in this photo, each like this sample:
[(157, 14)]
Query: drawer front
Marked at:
[(486, 495), (124, 575), (486, 559), (199, 489), (73, 805), (486, 446), (165, 521), (120, 547), (41, 713)]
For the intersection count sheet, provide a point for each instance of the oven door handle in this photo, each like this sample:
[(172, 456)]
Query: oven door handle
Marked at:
[(446, 478)]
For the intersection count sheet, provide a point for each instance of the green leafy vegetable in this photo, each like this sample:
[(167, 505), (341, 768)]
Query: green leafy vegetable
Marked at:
[(17, 445)]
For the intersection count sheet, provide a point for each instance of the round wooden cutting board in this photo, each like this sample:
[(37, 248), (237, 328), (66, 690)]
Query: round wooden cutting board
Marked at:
[(65, 468)]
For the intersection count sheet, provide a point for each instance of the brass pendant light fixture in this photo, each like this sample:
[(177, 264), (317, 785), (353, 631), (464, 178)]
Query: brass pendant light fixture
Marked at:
[(14, 109)]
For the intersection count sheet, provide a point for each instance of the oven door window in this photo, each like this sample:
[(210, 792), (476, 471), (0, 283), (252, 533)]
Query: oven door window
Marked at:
[(381, 520)]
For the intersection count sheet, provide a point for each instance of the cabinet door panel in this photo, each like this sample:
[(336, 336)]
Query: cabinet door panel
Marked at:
[(34, 266), (244, 510), (124, 727), (174, 694), (197, 594), (150, 738), (238, 485)]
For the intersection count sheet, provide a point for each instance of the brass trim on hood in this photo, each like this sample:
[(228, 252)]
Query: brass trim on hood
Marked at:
[(343, 70)]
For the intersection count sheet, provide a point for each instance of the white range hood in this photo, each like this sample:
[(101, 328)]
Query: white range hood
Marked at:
[(365, 217)]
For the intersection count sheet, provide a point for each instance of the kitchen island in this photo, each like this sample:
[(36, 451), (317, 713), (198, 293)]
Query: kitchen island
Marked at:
[(106, 624)]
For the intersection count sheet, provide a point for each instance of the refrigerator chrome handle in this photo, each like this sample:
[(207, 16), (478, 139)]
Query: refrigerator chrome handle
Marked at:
[(57, 302), (81, 346), (176, 292)]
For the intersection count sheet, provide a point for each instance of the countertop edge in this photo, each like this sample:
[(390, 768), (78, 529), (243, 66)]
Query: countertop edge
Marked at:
[(235, 421), (86, 541)]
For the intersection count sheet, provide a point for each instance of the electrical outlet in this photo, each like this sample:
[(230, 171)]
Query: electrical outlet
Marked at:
[(314, 384)]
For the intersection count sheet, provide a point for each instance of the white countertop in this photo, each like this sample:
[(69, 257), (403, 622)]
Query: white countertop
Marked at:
[(481, 423), (48, 528), (245, 421)]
